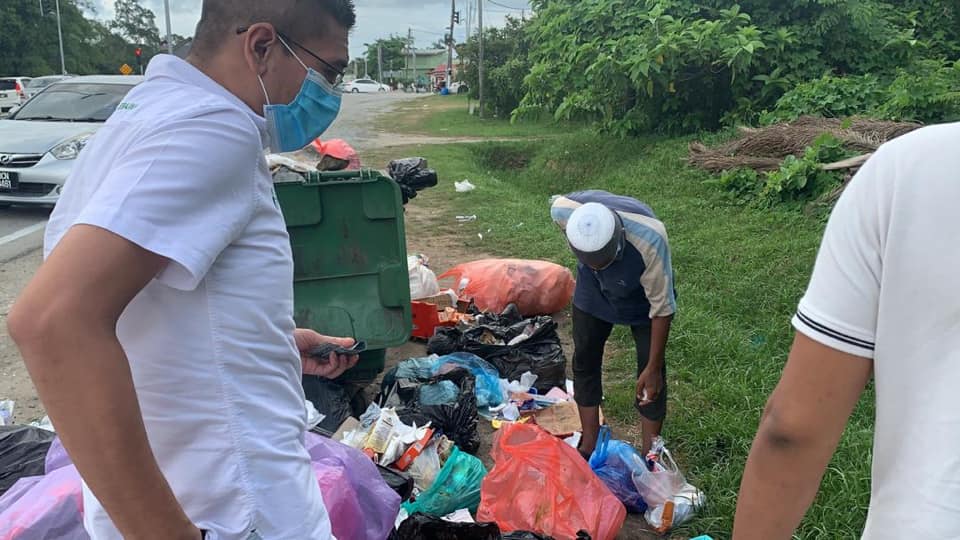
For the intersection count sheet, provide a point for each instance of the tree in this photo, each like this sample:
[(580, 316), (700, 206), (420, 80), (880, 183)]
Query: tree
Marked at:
[(506, 52), (393, 49), (137, 25)]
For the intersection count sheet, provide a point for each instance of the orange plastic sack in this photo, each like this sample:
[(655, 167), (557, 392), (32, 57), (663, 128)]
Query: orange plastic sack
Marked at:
[(536, 287), (541, 484)]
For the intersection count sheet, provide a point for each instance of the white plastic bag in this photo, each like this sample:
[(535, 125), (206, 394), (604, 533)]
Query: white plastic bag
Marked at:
[(426, 467), (659, 485), (6, 413), (678, 510), (423, 281), (464, 187)]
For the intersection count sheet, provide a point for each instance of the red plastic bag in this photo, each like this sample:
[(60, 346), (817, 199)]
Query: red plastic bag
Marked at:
[(536, 287), (541, 484)]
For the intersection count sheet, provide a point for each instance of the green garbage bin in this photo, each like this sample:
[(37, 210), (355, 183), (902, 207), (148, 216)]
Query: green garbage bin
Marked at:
[(350, 260)]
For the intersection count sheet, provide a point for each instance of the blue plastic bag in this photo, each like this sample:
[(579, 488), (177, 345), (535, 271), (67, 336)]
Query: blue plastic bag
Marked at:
[(457, 486), (489, 393), (615, 462)]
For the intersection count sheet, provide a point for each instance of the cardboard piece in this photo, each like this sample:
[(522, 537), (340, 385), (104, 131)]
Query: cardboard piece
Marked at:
[(561, 420)]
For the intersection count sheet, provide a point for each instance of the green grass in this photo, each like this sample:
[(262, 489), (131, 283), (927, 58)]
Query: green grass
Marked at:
[(446, 116), (740, 272)]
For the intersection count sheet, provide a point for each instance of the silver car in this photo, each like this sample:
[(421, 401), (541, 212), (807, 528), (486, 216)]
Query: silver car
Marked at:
[(40, 141), (38, 84)]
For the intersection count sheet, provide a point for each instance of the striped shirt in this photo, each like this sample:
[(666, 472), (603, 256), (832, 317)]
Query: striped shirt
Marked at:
[(640, 284)]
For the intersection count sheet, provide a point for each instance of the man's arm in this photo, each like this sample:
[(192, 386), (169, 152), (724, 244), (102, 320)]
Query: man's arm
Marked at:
[(65, 326), (650, 384), (803, 422)]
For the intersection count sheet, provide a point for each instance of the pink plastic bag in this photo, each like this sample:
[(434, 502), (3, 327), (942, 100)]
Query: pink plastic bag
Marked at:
[(536, 287), (360, 504), (541, 484), (50, 508)]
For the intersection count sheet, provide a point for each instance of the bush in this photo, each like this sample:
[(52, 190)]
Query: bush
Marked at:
[(830, 96), (927, 92)]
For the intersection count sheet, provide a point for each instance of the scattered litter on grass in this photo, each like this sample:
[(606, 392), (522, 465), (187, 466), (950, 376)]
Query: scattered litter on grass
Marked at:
[(6, 412), (464, 187), (466, 219)]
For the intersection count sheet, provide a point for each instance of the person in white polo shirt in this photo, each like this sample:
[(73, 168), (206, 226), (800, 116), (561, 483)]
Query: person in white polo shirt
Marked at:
[(883, 303), (159, 330)]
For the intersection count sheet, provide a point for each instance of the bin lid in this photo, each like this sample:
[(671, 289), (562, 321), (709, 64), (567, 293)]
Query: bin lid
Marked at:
[(350, 255)]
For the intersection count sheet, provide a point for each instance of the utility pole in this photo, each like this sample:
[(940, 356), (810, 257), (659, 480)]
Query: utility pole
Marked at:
[(380, 63), (480, 67), (166, 7), (453, 22), (63, 62), (469, 18)]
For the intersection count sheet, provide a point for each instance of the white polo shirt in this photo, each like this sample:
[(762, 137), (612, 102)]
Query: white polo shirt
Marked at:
[(179, 170), (886, 288)]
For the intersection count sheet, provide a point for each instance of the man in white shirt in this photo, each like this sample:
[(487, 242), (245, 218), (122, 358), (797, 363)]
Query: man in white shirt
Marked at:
[(159, 331), (883, 302)]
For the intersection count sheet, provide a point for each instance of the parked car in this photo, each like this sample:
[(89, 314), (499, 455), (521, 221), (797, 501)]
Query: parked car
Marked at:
[(364, 86), (459, 87), (12, 92), (36, 85), (40, 141)]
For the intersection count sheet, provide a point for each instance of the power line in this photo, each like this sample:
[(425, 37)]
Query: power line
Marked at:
[(508, 7)]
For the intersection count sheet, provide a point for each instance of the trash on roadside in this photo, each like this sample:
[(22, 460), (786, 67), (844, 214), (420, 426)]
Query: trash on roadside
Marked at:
[(615, 462), (539, 483), (360, 503), (44, 424), (23, 453), (671, 499), (420, 526), (458, 420), (536, 287), (527, 535), (466, 219), (464, 187), (313, 416), (560, 420), (412, 175), (6, 413), (489, 393), (539, 353), (423, 281), (330, 399), (426, 466), (277, 161), (460, 516), (457, 486), (44, 507)]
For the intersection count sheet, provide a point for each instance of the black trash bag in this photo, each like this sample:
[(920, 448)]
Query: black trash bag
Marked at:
[(412, 175), (401, 169), (526, 535), (399, 482), (23, 453), (458, 420), (540, 354), (331, 399), (423, 527), (445, 341)]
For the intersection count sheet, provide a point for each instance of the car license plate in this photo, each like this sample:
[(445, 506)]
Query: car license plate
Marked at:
[(9, 181)]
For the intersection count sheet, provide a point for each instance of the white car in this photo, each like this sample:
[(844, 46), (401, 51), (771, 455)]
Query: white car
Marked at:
[(364, 86), (12, 92), (36, 85), (41, 140)]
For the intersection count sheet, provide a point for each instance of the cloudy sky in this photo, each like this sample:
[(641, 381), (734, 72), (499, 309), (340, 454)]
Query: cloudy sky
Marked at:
[(376, 18)]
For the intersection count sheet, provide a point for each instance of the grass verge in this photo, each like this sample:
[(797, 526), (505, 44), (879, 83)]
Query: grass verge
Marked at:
[(740, 273), (446, 116)]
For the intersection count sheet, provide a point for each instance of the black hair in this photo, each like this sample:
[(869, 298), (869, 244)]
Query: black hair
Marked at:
[(299, 19)]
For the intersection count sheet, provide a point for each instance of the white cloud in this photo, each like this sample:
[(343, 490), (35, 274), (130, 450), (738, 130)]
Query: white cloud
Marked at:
[(375, 18)]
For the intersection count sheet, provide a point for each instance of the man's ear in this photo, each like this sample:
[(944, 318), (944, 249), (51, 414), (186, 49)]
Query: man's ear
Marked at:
[(258, 46)]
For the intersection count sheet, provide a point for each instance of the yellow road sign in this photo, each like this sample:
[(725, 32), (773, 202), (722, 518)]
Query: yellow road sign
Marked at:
[(126, 69)]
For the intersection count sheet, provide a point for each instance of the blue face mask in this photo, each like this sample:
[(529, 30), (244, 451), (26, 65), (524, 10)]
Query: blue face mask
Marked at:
[(294, 126)]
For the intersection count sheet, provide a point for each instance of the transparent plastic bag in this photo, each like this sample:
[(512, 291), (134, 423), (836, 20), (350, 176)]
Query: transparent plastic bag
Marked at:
[(488, 389), (426, 467), (659, 485)]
